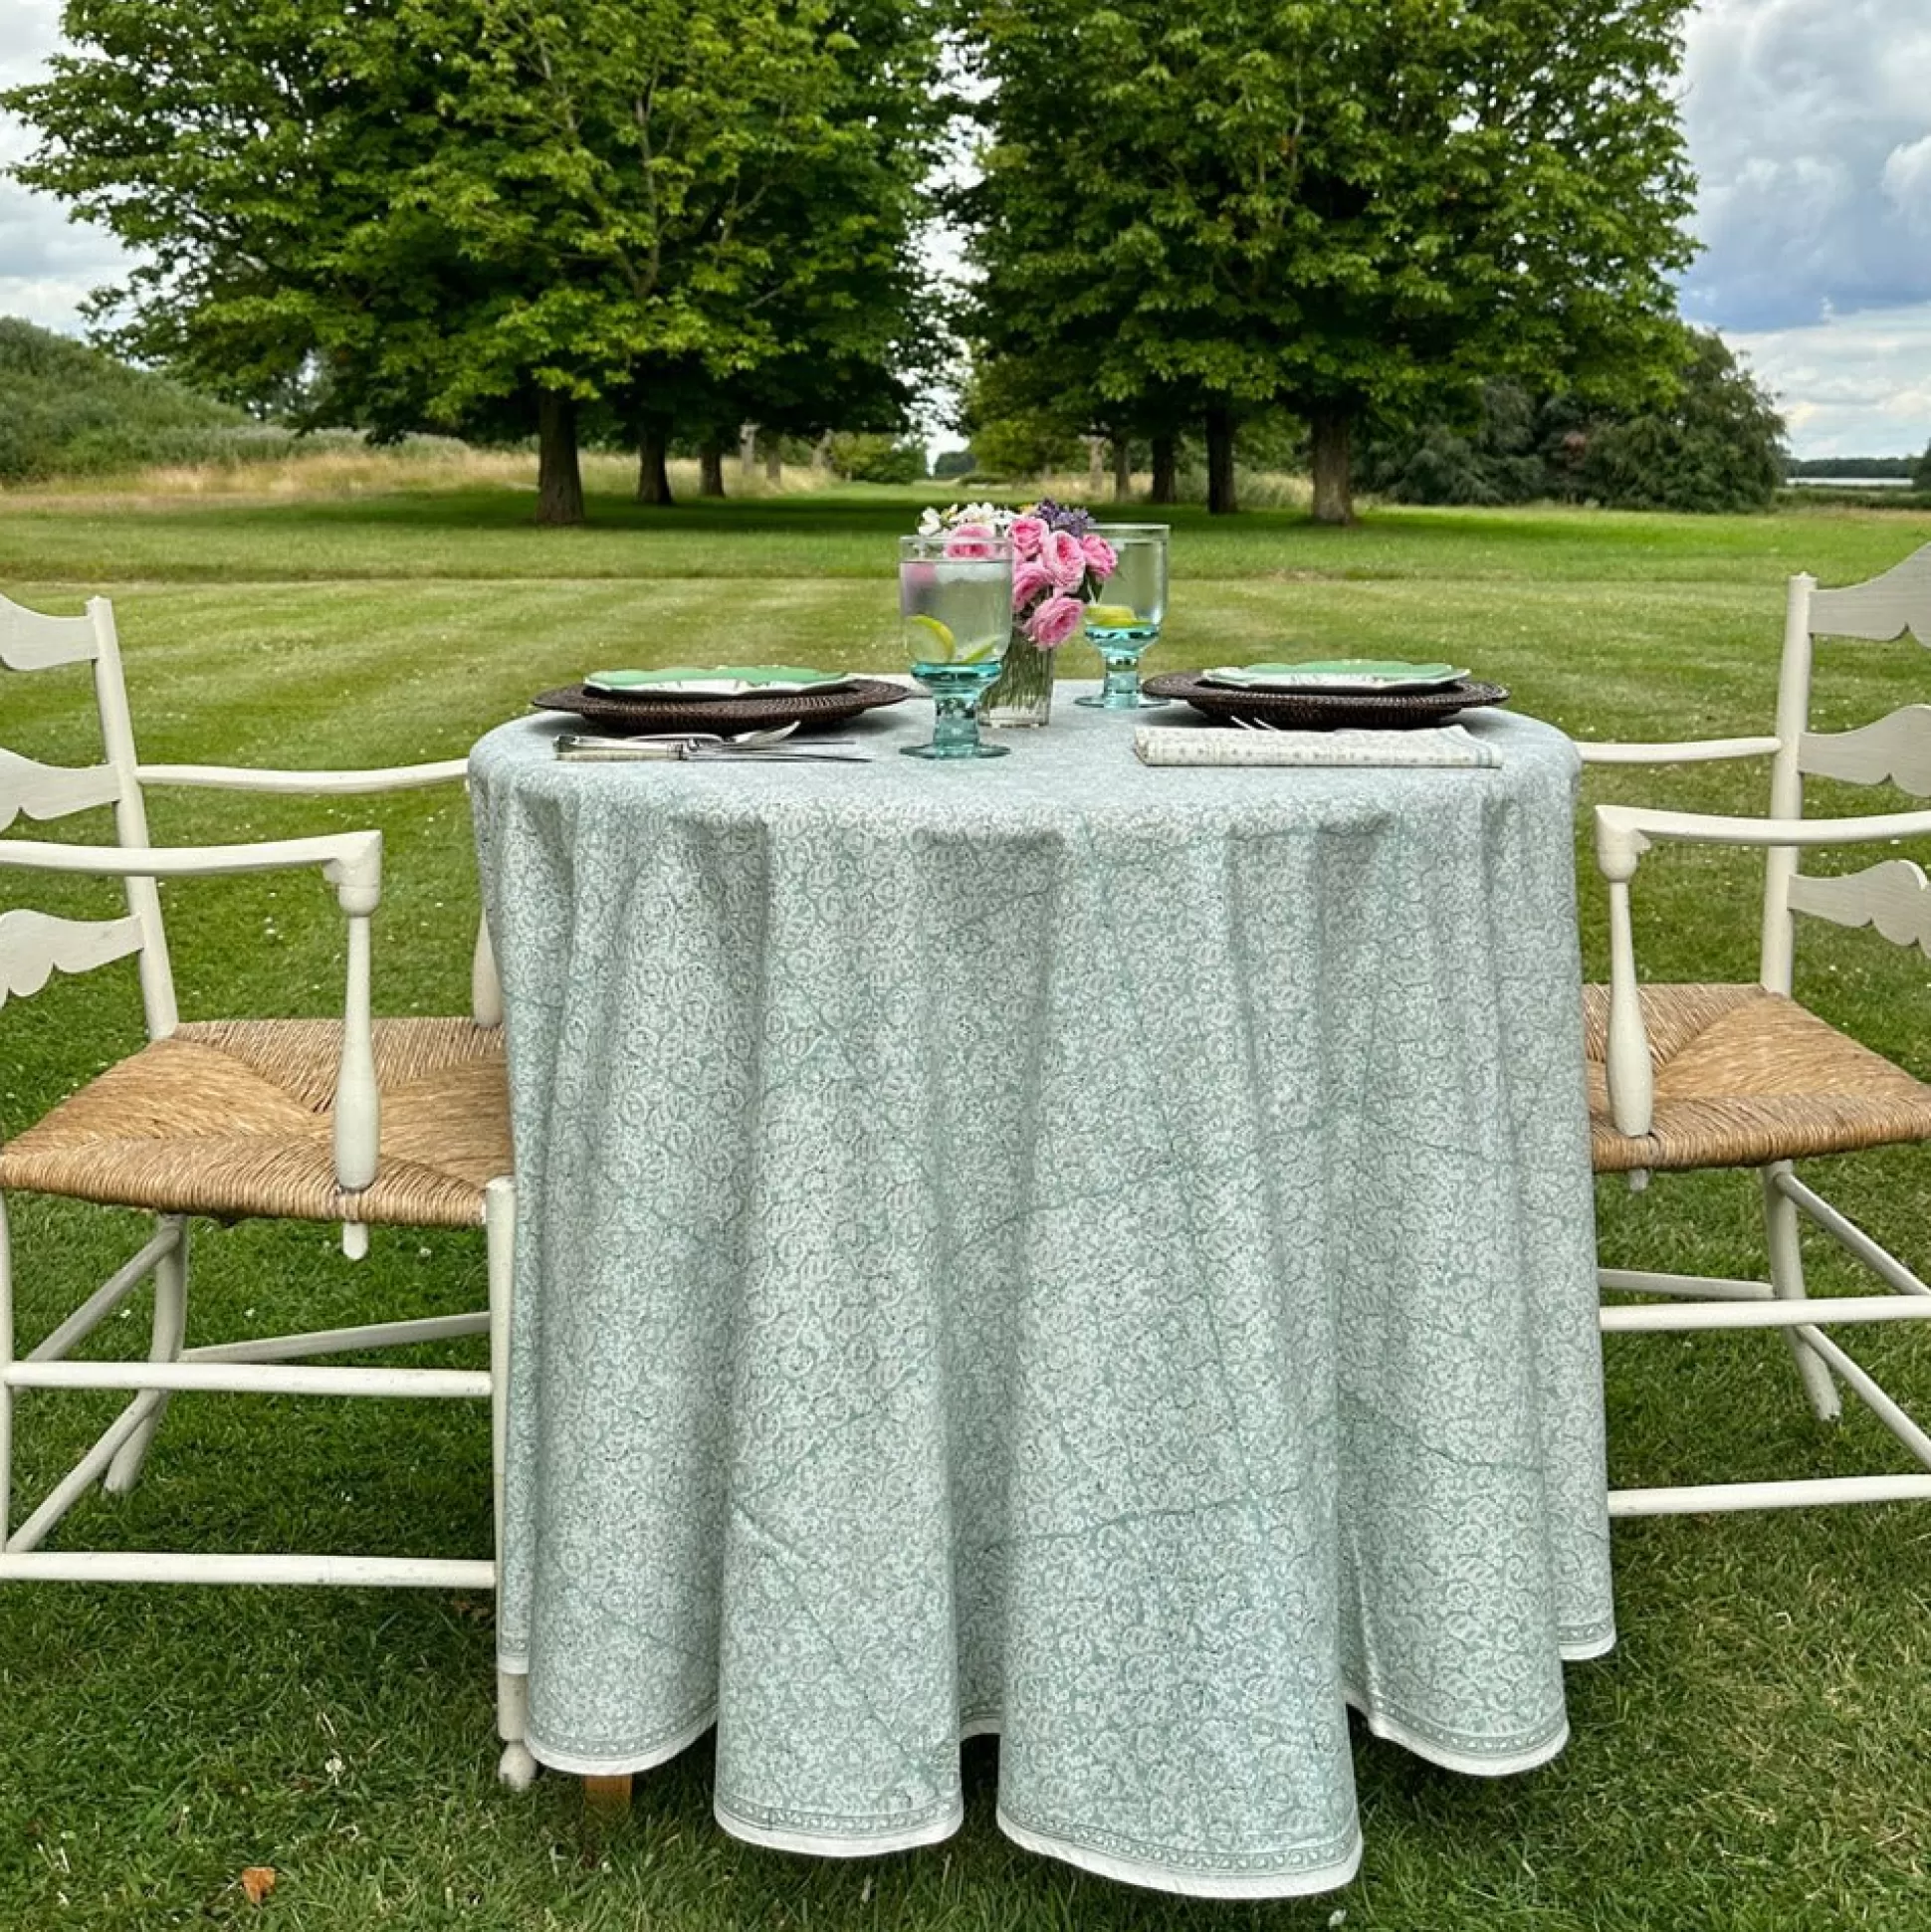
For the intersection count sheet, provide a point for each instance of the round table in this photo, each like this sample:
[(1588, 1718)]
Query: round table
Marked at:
[(1051, 1245)]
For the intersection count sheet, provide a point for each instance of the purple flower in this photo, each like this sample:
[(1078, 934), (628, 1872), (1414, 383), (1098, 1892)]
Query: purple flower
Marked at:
[(1058, 515)]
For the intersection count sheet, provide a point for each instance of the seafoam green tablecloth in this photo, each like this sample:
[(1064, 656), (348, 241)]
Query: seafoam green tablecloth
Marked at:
[(1051, 1245)]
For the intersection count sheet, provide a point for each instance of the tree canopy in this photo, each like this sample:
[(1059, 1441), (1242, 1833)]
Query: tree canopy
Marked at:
[(1329, 206)]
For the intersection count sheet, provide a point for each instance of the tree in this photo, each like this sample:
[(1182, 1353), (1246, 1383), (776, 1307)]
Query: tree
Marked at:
[(483, 214), (1715, 445), (1333, 207), (1719, 446), (1921, 475)]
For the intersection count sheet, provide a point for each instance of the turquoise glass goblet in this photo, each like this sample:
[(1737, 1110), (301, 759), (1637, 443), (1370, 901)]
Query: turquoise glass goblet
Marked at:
[(956, 615), (1125, 615)]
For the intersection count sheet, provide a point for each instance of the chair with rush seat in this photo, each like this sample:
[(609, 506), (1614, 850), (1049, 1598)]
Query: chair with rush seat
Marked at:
[(362, 1121), (1744, 1076)]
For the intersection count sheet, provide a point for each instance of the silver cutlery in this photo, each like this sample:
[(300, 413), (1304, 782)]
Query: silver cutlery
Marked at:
[(585, 748)]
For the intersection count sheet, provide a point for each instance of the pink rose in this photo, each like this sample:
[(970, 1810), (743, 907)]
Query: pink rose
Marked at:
[(1100, 558), (970, 541), (1055, 620), (1061, 553), (1028, 534), (1028, 580)]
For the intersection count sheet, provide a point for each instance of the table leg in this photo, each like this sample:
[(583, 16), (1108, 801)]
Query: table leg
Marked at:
[(607, 1795)]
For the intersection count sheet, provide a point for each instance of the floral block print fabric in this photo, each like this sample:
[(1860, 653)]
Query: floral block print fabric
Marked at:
[(1097, 1253)]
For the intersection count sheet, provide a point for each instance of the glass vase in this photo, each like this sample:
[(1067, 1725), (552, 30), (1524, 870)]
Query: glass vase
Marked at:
[(1023, 696)]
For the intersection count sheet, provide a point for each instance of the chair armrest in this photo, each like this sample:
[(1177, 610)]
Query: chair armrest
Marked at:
[(341, 784), (1624, 832), (351, 862), (1699, 751)]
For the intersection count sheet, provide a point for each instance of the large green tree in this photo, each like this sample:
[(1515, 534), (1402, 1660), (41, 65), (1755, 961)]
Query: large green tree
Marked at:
[(486, 214), (1329, 206)]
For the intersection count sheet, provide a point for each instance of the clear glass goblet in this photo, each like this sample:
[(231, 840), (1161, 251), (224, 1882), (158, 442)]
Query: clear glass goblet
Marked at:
[(956, 614), (1125, 617)]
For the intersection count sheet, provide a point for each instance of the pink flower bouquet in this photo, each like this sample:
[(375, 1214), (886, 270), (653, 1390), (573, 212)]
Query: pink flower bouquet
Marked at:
[(1058, 566)]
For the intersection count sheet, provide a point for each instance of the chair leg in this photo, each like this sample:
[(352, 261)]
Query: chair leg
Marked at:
[(1786, 1282), (517, 1768), (170, 1328), (6, 1386)]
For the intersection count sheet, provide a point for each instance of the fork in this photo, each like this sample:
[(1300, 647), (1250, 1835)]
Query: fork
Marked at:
[(588, 747)]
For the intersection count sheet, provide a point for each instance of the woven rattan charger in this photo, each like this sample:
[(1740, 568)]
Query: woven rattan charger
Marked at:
[(1327, 710), (805, 709)]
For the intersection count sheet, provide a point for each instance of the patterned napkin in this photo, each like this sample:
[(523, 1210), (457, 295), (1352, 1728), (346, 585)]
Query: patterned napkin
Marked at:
[(1448, 745)]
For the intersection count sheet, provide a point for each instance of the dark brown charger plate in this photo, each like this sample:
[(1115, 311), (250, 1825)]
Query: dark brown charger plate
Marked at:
[(803, 708), (1326, 710)]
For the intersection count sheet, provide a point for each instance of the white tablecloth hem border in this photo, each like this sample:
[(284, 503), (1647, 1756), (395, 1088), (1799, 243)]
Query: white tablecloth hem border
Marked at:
[(1184, 1880)]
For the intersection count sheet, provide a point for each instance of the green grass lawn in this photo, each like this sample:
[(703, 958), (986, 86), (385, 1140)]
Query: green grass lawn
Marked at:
[(1753, 1755)]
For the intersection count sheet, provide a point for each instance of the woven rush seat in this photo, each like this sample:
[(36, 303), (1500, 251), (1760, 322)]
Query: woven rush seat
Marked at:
[(232, 1118), (1745, 1076)]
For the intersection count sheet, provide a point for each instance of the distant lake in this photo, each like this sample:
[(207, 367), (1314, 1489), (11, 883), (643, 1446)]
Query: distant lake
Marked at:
[(1850, 483)]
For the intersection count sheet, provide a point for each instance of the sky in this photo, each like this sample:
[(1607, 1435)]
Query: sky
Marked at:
[(1810, 129)]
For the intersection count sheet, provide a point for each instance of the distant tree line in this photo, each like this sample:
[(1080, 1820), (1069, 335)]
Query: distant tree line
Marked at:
[(1852, 466), (657, 221)]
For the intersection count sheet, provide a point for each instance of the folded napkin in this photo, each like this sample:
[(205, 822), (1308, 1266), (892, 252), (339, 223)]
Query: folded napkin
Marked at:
[(1450, 744)]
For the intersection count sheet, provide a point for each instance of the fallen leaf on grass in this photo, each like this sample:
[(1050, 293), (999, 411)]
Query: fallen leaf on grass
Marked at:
[(257, 1881)]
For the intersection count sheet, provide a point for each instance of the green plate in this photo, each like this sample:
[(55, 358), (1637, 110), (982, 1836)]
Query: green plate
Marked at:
[(716, 680), (1338, 673)]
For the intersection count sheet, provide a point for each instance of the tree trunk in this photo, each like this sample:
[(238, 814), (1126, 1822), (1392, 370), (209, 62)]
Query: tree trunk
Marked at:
[(710, 467), (1220, 442), (821, 453), (559, 482), (1095, 465), (1122, 469), (653, 473), (746, 451), (774, 461), (1166, 470), (1334, 493)]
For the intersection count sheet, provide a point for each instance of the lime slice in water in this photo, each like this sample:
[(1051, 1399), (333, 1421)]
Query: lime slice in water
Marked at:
[(942, 643), (1111, 618)]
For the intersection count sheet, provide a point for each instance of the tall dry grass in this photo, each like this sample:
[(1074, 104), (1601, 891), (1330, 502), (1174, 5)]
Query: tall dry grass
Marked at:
[(335, 464), (1253, 489)]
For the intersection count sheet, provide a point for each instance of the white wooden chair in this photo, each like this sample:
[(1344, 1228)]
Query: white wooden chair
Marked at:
[(357, 1121), (1719, 1076)]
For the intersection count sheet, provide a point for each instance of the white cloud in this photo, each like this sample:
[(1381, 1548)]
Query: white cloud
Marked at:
[(1850, 385), (47, 265), (1809, 127), (1908, 183)]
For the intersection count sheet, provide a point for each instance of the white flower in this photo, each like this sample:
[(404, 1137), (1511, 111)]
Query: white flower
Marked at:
[(928, 525)]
